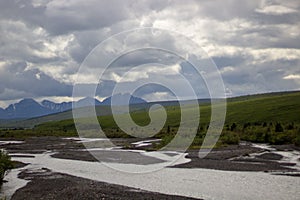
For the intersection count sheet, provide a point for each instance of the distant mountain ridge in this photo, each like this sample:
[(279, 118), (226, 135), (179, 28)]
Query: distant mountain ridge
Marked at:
[(120, 100), (57, 107), (29, 108)]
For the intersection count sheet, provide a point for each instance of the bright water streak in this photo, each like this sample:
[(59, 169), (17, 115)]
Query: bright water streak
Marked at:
[(13, 183), (199, 183)]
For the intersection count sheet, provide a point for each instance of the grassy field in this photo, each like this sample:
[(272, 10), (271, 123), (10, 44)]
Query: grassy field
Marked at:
[(272, 118)]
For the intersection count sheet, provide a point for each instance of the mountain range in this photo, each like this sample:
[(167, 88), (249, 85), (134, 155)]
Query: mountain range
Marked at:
[(29, 108)]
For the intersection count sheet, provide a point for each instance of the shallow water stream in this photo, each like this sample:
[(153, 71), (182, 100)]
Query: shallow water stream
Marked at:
[(199, 183)]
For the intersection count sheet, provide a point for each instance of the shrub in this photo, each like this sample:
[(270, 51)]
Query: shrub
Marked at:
[(229, 137), (5, 163), (297, 138), (278, 128), (267, 137), (233, 127), (246, 125), (282, 138), (290, 126)]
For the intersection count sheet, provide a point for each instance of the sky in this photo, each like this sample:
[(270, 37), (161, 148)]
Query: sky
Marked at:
[(255, 45)]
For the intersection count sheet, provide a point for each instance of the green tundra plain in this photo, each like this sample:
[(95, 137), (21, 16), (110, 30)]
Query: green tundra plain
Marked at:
[(263, 118)]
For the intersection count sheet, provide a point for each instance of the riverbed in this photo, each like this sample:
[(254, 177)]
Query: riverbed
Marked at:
[(188, 182)]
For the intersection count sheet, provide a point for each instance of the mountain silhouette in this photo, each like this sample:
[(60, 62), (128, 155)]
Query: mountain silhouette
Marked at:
[(29, 108)]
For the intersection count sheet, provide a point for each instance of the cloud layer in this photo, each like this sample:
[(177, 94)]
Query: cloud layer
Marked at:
[(255, 44)]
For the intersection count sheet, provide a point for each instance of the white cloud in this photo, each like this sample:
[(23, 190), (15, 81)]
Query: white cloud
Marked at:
[(159, 96), (58, 99), (273, 54), (276, 10), (292, 77), (227, 69), (145, 72)]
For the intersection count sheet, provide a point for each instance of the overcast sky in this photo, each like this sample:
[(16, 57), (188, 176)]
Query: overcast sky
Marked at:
[(254, 43)]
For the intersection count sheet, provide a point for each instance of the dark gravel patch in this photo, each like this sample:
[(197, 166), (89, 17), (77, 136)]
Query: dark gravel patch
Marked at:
[(236, 158), (270, 156), (47, 185), (286, 147), (18, 164), (287, 174), (75, 155)]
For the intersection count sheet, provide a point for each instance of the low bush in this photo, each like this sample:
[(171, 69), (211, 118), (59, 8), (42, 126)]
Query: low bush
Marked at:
[(229, 137), (5, 164)]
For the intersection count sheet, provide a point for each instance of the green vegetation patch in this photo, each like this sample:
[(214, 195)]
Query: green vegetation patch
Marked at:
[(268, 118)]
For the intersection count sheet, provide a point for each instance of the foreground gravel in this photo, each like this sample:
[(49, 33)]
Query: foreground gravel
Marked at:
[(48, 185), (45, 184)]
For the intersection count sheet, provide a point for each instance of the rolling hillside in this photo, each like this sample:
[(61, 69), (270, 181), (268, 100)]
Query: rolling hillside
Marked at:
[(268, 118), (273, 107)]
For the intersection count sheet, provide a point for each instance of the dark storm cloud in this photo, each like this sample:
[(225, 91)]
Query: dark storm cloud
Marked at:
[(261, 36), (221, 10), (29, 83), (228, 61), (103, 89), (142, 56), (264, 78), (60, 17)]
